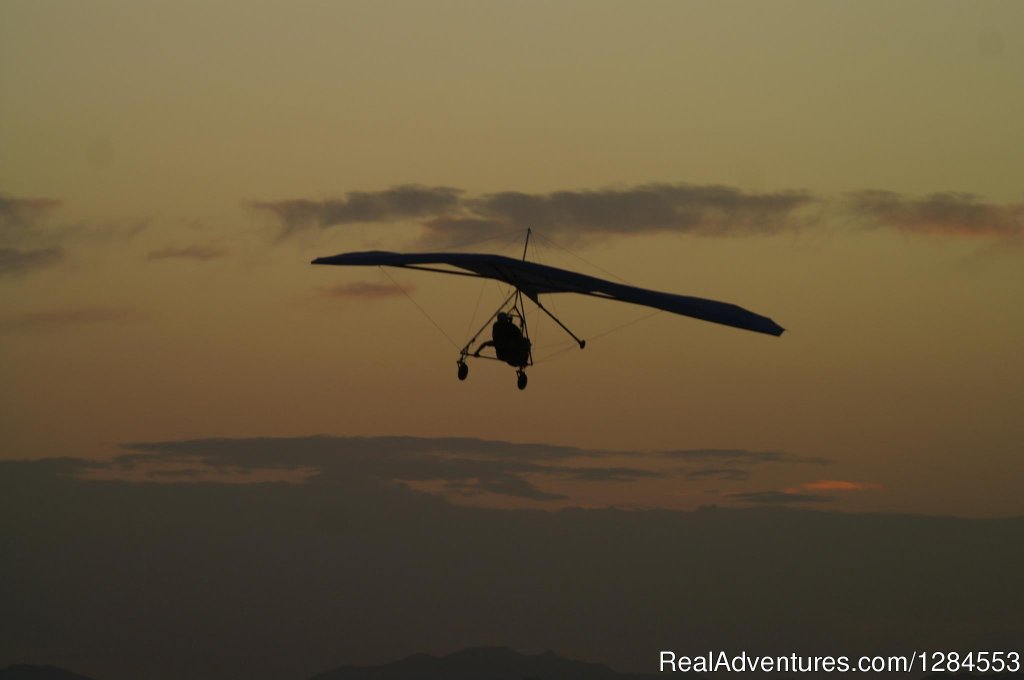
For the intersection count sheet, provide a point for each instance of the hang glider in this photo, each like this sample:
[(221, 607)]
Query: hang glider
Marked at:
[(533, 280)]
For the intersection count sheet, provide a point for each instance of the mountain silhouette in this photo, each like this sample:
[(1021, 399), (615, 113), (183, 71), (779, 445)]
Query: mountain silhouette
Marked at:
[(967, 675), (502, 663), (297, 579), (481, 663), (477, 663), (27, 672)]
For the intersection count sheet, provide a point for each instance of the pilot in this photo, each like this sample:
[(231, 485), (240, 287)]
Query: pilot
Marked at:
[(508, 342)]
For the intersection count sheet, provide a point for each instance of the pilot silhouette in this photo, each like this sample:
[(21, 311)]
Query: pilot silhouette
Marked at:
[(508, 342)]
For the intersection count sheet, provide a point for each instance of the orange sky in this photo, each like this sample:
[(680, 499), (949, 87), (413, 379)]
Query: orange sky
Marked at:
[(153, 295)]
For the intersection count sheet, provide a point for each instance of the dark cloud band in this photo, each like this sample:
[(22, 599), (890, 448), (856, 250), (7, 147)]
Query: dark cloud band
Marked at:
[(363, 290), (397, 203), (941, 214), (14, 261), (19, 214), (462, 465), (448, 217), (194, 252), (779, 498)]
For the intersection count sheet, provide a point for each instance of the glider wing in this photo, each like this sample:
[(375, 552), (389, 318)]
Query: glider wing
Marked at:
[(537, 279)]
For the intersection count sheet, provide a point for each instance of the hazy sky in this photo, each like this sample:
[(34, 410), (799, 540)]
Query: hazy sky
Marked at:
[(852, 170)]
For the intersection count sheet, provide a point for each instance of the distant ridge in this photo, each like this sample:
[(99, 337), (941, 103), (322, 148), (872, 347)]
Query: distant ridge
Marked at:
[(23, 671), (967, 675), (503, 663), (481, 663), (477, 663)]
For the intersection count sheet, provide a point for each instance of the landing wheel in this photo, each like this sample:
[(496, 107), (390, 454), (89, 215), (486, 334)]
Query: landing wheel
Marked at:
[(463, 370), (521, 381)]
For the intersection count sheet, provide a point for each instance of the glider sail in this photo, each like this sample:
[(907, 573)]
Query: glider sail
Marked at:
[(535, 279)]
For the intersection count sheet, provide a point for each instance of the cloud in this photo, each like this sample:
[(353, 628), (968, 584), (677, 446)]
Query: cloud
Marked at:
[(270, 451), (449, 217), (193, 252), (707, 210), (21, 249), (455, 231), (106, 231), (733, 464), (733, 474), (363, 290), (778, 498), (798, 494), (465, 465), (398, 203), (837, 485), (59, 319), (940, 214), (609, 474), (14, 261), (18, 215), (28, 243), (504, 485), (741, 456), (48, 469)]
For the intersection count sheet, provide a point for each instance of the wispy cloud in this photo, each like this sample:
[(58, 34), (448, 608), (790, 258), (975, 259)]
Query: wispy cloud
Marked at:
[(397, 203), (609, 474), (16, 261), (17, 215), (706, 210), (503, 485), (802, 494), (464, 465), (362, 290), (838, 485), (201, 253), (59, 319), (449, 217), (941, 214), (778, 498), (21, 250), (455, 230), (733, 465), (732, 474), (30, 241), (740, 456)]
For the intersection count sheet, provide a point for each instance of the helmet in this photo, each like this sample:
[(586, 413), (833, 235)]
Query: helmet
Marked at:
[(503, 316)]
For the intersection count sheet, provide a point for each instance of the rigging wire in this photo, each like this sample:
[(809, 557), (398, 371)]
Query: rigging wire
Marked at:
[(567, 345), (564, 347), (476, 308), (628, 323), (582, 259), (429, 318), (539, 257), (602, 334)]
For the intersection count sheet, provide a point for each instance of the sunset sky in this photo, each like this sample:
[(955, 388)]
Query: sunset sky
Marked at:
[(217, 460), (852, 170)]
